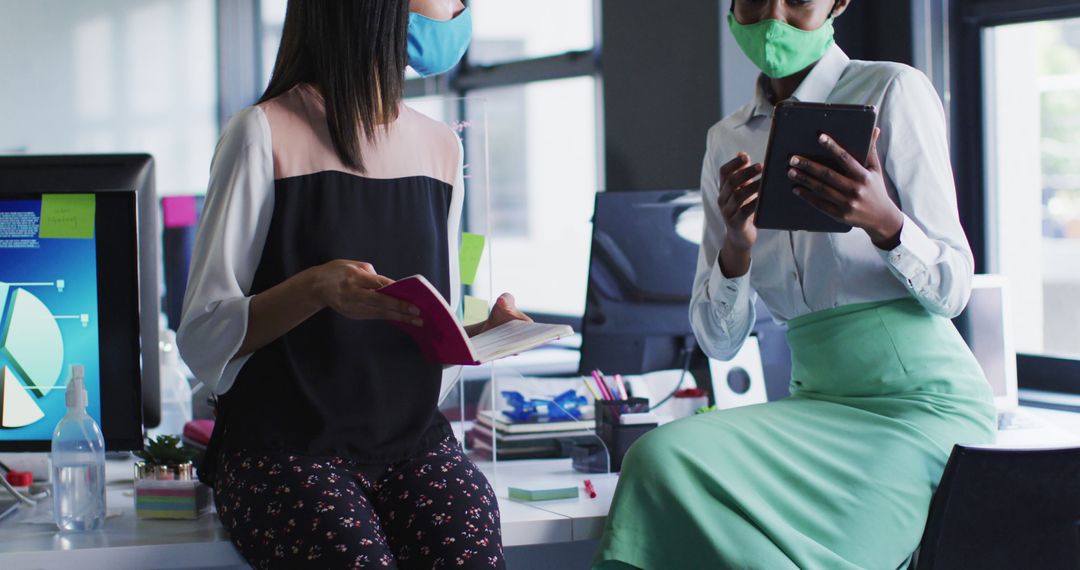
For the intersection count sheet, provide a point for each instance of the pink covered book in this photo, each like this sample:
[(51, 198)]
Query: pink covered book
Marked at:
[(442, 338)]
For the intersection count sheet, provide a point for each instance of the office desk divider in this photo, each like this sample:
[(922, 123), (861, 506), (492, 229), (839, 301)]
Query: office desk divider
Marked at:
[(475, 258), (549, 418), (468, 118)]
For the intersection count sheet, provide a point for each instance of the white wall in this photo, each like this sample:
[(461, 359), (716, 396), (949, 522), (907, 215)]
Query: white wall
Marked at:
[(112, 76)]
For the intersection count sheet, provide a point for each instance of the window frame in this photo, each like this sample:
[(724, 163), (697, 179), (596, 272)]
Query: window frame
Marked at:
[(965, 81)]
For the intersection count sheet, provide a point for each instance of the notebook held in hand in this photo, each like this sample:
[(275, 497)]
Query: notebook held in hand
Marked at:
[(442, 338)]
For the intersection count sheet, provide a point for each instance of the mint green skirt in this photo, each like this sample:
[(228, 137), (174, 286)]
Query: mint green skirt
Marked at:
[(839, 475)]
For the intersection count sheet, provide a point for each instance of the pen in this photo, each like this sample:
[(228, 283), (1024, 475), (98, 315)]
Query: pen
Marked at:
[(610, 389), (622, 387), (591, 389), (590, 489), (600, 385)]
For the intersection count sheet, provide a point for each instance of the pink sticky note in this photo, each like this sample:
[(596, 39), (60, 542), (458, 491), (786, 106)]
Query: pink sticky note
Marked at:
[(179, 211)]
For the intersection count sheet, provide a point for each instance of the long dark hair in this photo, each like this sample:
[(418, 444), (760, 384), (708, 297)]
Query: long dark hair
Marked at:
[(355, 53)]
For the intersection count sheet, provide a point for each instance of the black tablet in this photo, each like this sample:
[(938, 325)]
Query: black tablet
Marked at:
[(795, 130)]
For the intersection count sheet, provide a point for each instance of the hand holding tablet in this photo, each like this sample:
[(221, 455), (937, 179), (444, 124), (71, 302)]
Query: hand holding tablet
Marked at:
[(827, 175)]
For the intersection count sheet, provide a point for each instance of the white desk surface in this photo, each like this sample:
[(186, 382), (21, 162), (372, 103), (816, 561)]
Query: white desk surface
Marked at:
[(124, 541), (128, 542), (586, 515)]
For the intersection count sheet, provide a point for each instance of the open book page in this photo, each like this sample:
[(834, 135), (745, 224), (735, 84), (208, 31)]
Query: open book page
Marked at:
[(515, 337)]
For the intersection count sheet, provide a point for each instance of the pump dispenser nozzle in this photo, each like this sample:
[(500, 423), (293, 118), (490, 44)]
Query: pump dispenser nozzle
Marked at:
[(76, 397)]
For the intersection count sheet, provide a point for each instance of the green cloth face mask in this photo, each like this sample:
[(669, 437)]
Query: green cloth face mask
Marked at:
[(780, 49)]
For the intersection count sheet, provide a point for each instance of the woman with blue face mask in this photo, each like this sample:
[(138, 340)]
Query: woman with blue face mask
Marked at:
[(329, 450), (840, 474)]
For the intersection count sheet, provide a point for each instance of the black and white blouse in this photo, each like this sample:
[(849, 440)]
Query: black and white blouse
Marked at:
[(280, 201)]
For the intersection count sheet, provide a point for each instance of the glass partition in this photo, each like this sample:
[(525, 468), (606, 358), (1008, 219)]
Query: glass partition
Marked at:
[(489, 404)]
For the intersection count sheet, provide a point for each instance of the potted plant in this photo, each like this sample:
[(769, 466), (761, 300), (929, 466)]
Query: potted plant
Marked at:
[(165, 483), (165, 459)]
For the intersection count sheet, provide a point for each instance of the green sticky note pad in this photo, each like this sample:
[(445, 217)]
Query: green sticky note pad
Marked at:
[(542, 494), (67, 216), (472, 247), (476, 310)]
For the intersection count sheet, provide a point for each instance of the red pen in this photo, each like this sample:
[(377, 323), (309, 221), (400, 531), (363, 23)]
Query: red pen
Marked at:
[(590, 489)]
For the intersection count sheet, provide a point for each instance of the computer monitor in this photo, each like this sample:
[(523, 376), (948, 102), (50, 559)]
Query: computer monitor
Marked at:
[(641, 275), (986, 326), (78, 285)]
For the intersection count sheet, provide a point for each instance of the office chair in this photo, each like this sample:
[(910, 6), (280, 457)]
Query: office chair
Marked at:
[(998, 508)]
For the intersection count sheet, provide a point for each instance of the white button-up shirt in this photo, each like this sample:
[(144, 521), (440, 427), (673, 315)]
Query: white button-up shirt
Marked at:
[(802, 272)]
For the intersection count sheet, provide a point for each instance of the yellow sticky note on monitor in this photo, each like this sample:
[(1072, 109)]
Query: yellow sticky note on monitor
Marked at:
[(476, 310), (472, 247), (67, 216)]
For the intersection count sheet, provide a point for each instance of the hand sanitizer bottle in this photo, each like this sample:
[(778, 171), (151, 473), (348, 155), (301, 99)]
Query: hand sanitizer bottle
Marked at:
[(78, 463), (175, 389)]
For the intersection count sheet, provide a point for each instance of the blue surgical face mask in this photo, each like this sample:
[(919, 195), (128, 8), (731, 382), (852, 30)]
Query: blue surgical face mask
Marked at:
[(436, 46)]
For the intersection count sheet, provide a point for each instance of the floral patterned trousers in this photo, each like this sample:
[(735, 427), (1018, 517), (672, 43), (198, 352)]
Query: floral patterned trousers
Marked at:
[(293, 511)]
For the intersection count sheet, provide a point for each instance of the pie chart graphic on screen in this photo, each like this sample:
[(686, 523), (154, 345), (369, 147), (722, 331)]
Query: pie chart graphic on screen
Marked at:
[(31, 355)]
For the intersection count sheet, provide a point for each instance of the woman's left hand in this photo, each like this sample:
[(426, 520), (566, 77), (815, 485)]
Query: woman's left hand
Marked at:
[(856, 195), (504, 311)]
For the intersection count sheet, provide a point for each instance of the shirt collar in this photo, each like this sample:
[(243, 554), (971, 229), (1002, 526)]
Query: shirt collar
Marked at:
[(815, 88)]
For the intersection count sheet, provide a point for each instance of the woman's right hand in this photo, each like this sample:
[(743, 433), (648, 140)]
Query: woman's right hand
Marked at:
[(350, 288), (739, 187)]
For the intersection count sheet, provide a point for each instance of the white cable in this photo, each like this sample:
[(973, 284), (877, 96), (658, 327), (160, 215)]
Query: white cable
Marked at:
[(22, 498)]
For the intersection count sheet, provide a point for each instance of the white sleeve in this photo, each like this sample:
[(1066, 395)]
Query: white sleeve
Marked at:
[(933, 260), (721, 309), (228, 246), (451, 374)]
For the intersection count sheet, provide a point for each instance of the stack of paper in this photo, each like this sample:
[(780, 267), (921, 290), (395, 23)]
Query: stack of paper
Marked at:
[(528, 440)]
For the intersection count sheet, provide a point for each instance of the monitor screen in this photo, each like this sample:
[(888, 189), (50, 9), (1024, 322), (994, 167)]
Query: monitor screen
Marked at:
[(983, 324), (641, 274), (48, 310), (68, 296)]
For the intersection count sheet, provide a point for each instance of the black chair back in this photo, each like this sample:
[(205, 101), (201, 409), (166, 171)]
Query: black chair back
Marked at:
[(998, 508)]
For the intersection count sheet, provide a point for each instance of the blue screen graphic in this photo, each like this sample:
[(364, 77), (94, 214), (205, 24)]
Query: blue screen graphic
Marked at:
[(48, 322)]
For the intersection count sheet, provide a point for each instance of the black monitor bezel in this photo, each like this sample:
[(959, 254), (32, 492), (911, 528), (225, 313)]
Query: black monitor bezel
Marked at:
[(127, 291)]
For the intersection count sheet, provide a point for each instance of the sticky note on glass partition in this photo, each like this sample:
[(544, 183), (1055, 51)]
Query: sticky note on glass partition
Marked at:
[(476, 310), (179, 211), (472, 247), (67, 216)]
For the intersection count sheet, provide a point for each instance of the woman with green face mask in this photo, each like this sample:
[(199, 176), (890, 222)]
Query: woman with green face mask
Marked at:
[(840, 474)]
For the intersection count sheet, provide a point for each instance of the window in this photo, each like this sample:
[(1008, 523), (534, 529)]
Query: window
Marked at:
[(272, 16), (543, 163), (1032, 169), (512, 31), (524, 73), (113, 76)]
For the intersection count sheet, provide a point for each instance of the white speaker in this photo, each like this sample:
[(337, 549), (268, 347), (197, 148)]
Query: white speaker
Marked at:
[(741, 380)]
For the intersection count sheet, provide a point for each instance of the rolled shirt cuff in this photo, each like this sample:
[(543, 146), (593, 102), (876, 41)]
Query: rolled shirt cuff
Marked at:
[(915, 253), (725, 293)]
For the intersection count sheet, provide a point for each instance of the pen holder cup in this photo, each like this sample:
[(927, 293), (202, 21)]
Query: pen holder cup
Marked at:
[(615, 431)]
